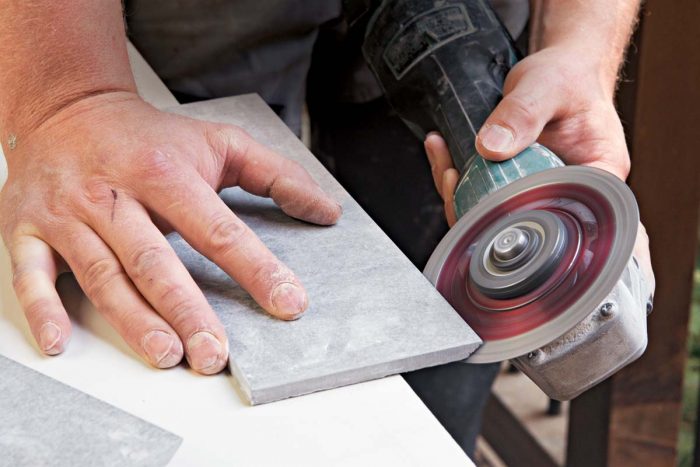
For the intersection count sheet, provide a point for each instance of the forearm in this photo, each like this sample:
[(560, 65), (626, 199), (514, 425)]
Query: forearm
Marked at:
[(55, 53), (597, 31)]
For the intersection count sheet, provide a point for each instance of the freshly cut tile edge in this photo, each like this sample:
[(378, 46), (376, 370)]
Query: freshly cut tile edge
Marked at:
[(371, 314), (45, 422), (354, 376)]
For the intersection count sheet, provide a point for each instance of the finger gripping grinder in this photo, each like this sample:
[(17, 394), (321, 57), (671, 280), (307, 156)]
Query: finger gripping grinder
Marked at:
[(540, 262)]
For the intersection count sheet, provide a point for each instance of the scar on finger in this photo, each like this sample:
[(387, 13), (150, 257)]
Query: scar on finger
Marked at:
[(12, 141), (114, 202)]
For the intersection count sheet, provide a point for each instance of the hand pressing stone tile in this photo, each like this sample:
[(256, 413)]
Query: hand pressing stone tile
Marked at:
[(44, 422), (371, 314)]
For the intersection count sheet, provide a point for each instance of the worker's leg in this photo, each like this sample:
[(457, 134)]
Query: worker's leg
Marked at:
[(456, 393), (383, 165)]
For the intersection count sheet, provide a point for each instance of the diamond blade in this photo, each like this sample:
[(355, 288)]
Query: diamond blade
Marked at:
[(596, 206)]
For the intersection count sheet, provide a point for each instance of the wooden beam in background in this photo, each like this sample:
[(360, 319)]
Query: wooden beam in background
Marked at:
[(661, 109), (510, 438)]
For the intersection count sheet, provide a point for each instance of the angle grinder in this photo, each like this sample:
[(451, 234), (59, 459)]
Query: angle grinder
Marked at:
[(540, 262)]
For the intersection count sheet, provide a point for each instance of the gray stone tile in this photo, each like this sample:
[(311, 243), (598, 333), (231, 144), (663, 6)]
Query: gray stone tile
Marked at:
[(44, 422), (372, 313)]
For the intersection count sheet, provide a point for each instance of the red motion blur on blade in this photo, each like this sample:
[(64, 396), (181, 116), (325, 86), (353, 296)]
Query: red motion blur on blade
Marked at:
[(585, 213)]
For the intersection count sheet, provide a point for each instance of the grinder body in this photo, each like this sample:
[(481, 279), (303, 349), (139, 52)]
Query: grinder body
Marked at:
[(442, 64)]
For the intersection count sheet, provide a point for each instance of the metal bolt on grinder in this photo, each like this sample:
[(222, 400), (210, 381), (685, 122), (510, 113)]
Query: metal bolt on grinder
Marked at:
[(540, 262)]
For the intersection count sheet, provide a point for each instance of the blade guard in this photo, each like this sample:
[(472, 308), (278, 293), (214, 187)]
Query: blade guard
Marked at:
[(611, 337)]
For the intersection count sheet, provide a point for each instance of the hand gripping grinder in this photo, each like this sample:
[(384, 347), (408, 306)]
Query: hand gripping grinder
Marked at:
[(540, 262)]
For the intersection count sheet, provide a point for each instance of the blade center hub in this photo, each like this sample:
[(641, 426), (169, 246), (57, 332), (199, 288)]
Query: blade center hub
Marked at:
[(513, 247), (518, 254)]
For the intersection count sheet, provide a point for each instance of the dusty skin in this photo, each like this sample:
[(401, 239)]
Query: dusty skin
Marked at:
[(116, 174)]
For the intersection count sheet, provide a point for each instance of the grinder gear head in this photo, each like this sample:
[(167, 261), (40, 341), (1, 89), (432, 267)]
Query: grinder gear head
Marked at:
[(543, 271)]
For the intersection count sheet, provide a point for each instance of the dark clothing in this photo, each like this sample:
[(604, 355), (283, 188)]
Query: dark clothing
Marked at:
[(204, 49), (213, 48)]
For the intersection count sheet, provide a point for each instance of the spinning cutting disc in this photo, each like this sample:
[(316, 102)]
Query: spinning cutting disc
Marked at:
[(533, 259)]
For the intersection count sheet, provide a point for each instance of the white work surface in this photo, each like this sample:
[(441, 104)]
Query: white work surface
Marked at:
[(375, 423)]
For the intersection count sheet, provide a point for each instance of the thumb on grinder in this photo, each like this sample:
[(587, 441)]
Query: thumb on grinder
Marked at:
[(518, 119)]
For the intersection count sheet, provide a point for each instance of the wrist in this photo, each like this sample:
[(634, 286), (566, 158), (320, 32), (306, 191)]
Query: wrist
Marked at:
[(19, 128), (595, 33), (585, 68), (75, 49), (27, 107)]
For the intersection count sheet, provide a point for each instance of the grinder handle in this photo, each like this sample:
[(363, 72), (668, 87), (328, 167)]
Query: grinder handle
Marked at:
[(442, 65)]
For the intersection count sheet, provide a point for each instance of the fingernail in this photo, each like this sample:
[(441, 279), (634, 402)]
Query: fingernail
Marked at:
[(49, 335), (162, 349), (288, 299), (496, 138), (203, 350)]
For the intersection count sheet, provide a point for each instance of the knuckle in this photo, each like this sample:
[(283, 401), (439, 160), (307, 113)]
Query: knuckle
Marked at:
[(236, 142), (271, 273), (145, 260), (295, 168), (21, 281), (19, 232), (524, 110), (54, 205), (296, 174), (134, 323), (96, 192), (169, 292), (240, 134), (226, 234), (238, 137), (182, 307), (157, 165), (98, 275), (10, 231), (130, 323), (239, 141), (37, 307), (55, 209)]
